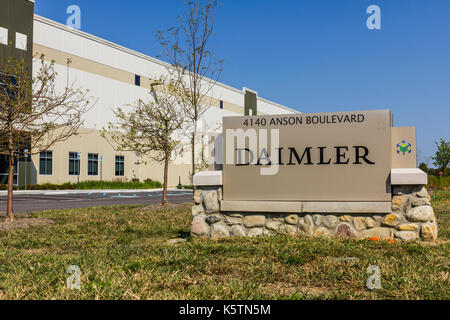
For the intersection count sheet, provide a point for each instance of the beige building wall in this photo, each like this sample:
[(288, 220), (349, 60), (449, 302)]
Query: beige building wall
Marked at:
[(91, 141)]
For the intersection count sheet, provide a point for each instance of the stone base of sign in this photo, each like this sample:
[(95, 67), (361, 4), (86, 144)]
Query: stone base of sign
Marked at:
[(412, 217)]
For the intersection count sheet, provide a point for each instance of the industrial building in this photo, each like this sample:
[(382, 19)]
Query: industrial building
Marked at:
[(115, 76)]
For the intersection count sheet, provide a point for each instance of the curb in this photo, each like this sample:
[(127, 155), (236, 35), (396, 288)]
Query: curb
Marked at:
[(63, 192)]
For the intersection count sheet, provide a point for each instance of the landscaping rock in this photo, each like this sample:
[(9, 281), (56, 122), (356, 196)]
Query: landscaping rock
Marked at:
[(213, 218), (380, 233), (254, 221), (289, 230), (408, 227), (219, 231), (330, 221), (317, 218), (232, 220), (273, 225), (198, 196), (420, 214), (291, 219), (360, 223), (255, 232), (429, 231), (199, 227), (406, 235), (370, 223), (344, 230), (210, 201), (417, 202), (175, 241), (197, 210), (391, 220), (238, 231), (321, 232)]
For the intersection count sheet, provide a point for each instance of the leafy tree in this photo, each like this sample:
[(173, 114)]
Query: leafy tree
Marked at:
[(192, 63), (423, 167), (151, 128), (34, 114), (442, 157)]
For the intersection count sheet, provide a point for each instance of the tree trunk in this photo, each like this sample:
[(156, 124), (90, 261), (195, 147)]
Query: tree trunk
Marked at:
[(193, 157), (9, 211), (166, 178)]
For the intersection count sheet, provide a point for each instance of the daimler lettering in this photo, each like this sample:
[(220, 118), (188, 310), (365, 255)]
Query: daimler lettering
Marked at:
[(339, 155)]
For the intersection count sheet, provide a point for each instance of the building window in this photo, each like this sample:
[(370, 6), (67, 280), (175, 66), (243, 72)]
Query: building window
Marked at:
[(3, 36), (21, 41), (137, 80), (74, 164), (120, 166), (4, 170), (221, 104), (46, 162), (92, 164)]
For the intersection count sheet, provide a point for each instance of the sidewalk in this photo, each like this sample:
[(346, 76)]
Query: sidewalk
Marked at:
[(62, 192)]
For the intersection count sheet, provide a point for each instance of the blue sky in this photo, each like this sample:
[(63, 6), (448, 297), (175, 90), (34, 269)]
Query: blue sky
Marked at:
[(310, 55)]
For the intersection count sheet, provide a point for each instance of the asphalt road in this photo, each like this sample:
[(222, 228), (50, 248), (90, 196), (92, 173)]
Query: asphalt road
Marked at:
[(32, 203)]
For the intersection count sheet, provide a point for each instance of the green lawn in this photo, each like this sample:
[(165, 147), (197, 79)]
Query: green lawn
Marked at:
[(123, 254)]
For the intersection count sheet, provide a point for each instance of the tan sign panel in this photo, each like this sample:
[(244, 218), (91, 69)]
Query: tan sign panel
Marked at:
[(404, 148), (342, 156)]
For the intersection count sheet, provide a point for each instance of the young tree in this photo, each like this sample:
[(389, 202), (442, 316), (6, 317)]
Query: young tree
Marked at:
[(34, 115), (192, 63), (150, 127), (442, 157)]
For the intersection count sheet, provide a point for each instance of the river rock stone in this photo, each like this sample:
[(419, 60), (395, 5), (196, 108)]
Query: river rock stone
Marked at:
[(198, 196), (423, 193), (345, 230), (199, 227), (360, 223), (238, 231), (232, 220), (288, 229), (254, 221), (198, 209), (391, 220), (405, 235), (219, 231), (321, 232), (408, 227), (255, 232), (346, 218), (380, 233), (291, 219), (213, 218), (317, 218), (307, 226), (210, 201), (420, 214), (417, 202), (370, 223), (429, 231), (397, 202), (330, 221), (273, 225)]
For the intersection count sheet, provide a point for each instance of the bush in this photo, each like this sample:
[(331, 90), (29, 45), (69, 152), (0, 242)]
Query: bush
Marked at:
[(437, 183), (89, 185)]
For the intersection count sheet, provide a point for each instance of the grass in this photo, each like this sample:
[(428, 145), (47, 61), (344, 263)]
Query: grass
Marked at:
[(123, 254)]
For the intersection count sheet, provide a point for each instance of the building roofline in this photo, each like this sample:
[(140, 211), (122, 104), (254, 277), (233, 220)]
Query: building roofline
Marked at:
[(137, 54)]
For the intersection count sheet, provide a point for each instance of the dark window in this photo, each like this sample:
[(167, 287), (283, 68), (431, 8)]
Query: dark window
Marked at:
[(74, 164), (120, 166), (137, 80), (92, 164), (4, 170), (221, 104), (46, 162)]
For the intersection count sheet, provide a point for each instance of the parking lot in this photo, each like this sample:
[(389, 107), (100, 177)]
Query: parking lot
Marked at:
[(25, 203)]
